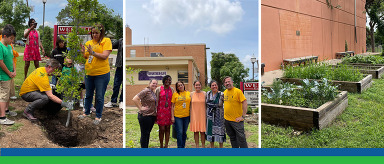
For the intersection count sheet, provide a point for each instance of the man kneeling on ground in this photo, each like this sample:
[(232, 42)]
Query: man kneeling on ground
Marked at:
[(37, 91)]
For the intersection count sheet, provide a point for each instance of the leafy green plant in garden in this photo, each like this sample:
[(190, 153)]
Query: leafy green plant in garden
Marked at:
[(370, 59), (279, 92), (309, 94), (68, 85), (322, 70), (346, 46)]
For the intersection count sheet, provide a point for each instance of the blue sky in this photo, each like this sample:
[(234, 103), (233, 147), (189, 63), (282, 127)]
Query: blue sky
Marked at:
[(229, 26), (53, 7)]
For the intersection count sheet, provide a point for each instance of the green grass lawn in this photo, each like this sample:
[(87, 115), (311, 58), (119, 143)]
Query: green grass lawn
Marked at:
[(361, 125), (133, 135), (19, 49)]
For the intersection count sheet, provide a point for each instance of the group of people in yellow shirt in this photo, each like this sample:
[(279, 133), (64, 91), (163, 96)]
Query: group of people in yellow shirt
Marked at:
[(36, 88), (209, 115)]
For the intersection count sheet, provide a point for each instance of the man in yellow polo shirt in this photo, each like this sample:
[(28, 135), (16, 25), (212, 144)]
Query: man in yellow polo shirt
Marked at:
[(37, 91), (235, 108)]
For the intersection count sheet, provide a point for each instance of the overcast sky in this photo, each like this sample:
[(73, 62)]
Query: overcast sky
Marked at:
[(53, 7), (229, 26)]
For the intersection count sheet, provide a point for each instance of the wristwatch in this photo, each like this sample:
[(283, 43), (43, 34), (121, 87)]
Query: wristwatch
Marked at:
[(93, 52)]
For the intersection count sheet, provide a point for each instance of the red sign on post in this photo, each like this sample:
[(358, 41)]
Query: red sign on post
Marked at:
[(251, 86)]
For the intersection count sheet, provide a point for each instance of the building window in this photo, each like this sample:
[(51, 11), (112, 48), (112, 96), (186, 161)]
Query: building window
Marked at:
[(182, 76), (133, 53)]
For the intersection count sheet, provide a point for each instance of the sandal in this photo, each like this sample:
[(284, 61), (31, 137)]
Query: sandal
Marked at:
[(97, 121), (82, 116)]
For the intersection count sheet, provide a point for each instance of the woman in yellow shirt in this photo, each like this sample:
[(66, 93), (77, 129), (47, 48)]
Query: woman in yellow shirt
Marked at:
[(96, 51), (181, 101)]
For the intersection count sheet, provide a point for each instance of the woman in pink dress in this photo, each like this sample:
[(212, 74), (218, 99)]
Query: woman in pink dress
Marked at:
[(164, 107), (31, 52), (198, 121)]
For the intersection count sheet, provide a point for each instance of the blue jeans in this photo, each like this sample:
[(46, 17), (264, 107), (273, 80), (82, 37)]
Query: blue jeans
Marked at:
[(116, 85), (98, 83), (54, 80), (181, 126)]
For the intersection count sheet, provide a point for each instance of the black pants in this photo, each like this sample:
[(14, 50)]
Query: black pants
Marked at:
[(235, 131), (146, 125)]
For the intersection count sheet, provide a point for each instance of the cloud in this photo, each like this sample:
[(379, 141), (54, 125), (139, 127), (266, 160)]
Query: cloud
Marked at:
[(50, 24), (219, 16)]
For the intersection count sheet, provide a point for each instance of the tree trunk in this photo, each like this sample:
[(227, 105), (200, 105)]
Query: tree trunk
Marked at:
[(372, 32)]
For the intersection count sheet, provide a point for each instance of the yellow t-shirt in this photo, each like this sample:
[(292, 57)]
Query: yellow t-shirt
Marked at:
[(182, 102), (233, 106), (95, 66), (37, 81)]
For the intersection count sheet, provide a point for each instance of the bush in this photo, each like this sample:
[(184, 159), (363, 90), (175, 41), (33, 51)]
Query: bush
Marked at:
[(249, 110)]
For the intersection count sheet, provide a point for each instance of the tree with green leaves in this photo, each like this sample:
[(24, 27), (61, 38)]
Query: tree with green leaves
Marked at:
[(375, 11), (14, 12), (113, 24), (227, 65), (47, 39), (79, 11)]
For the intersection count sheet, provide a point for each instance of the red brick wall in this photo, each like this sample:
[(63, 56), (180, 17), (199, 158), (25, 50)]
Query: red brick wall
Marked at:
[(323, 31)]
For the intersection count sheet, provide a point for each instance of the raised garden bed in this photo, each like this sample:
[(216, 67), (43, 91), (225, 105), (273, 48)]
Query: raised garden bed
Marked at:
[(349, 86), (304, 118), (376, 70)]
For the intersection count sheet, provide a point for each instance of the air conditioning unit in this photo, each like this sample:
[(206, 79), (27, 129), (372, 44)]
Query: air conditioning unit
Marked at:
[(156, 54)]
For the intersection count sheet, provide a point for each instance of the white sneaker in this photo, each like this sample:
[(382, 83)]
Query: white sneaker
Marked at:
[(111, 105), (11, 113), (121, 105), (13, 98), (93, 109), (6, 121)]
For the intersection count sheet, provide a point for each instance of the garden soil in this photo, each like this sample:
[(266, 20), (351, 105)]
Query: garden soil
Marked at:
[(50, 131)]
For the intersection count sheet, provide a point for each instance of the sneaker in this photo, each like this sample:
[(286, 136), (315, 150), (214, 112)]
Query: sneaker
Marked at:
[(13, 98), (6, 121), (93, 109), (29, 116), (97, 121), (11, 113), (111, 105), (82, 116), (121, 105)]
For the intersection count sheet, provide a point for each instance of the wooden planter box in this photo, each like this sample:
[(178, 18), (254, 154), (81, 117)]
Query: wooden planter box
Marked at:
[(376, 70), (349, 86), (304, 118)]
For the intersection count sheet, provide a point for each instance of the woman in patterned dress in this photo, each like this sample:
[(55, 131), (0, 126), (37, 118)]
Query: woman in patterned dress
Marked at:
[(31, 52), (164, 107), (215, 116)]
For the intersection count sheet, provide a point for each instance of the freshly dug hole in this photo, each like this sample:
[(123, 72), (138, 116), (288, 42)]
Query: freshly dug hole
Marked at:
[(78, 133)]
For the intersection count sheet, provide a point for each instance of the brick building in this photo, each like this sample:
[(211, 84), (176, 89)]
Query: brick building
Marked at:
[(298, 28), (186, 62)]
